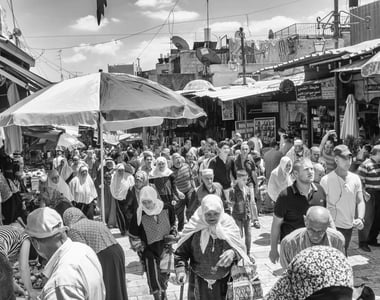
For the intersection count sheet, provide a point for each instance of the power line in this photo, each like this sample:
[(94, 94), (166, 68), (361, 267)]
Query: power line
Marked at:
[(161, 25)]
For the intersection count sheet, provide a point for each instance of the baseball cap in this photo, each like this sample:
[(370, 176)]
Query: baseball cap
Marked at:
[(342, 151), (44, 222)]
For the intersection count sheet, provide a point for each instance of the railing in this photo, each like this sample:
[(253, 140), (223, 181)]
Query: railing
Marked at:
[(304, 30)]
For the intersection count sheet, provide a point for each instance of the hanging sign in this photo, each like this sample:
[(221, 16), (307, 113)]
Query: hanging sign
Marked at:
[(310, 91)]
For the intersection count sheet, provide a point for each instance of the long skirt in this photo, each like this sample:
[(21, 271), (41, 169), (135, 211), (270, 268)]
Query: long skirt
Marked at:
[(121, 216), (199, 288), (113, 265), (109, 207)]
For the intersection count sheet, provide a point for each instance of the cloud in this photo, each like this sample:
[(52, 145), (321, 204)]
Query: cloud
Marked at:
[(275, 23), (154, 3), (115, 20), (162, 15), (224, 27), (89, 23), (110, 48), (76, 58)]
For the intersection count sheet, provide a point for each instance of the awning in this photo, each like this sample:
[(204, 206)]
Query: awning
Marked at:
[(355, 66), (21, 76), (262, 87)]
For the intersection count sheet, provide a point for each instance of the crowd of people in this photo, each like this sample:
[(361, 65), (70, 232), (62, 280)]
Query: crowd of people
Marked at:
[(205, 200)]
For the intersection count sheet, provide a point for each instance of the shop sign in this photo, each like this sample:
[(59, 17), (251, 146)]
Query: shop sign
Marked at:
[(310, 91), (373, 87), (228, 111), (328, 88), (270, 107)]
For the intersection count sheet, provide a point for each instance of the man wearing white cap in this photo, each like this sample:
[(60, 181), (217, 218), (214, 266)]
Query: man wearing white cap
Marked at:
[(73, 269), (298, 151)]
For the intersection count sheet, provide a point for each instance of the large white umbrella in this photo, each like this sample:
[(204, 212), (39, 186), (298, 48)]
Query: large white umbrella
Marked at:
[(114, 101), (350, 124), (372, 66)]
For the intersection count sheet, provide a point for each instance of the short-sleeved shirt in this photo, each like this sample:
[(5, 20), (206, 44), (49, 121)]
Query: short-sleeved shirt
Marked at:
[(291, 206), (341, 196), (369, 172)]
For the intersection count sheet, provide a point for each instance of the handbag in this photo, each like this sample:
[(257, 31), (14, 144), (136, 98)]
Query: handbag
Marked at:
[(167, 261), (244, 283)]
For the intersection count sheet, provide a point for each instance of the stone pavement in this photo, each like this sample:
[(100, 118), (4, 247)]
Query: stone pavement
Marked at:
[(366, 265)]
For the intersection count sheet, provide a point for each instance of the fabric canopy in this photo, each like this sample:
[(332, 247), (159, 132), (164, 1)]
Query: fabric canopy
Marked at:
[(372, 67), (350, 124)]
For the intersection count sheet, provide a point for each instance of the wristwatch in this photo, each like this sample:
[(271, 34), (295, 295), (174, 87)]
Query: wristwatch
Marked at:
[(363, 221)]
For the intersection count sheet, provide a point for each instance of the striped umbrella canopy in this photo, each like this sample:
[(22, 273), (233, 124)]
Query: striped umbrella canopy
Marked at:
[(350, 124)]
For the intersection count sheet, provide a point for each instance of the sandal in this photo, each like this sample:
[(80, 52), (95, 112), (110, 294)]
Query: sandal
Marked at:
[(256, 224)]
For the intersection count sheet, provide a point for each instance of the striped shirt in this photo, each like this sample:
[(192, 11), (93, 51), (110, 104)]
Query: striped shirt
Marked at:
[(330, 162), (369, 172), (183, 178), (11, 240)]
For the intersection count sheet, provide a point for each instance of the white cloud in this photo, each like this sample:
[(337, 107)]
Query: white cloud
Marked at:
[(89, 23), (154, 3), (115, 20), (76, 58), (162, 15), (101, 49), (224, 27), (275, 23)]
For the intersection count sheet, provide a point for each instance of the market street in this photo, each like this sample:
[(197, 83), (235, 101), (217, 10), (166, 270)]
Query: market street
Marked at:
[(365, 265)]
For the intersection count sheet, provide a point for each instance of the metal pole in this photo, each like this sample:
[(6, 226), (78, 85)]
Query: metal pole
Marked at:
[(102, 168), (244, 78), (336, 77)]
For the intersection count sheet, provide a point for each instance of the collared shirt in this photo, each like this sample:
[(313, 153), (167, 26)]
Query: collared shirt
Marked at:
[(298, 240), (341, 195), (74, 272), (369, 172), (291, 206)]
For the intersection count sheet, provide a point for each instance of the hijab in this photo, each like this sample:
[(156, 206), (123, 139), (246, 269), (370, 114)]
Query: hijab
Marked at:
[(165, 173), (82, 187), (280, 179), (312, 272), (226, 228), (149, 193), (72, 215), (121, 183), (66, 170), (61, 186)]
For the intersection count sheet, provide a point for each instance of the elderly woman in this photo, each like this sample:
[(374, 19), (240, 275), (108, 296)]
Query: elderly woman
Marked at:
[(121, 182), (163, 179), (55, 183), (64, 170), (318, 272), (209, 244), (280, 178), (83, 190), (151, 224), (111, 256)]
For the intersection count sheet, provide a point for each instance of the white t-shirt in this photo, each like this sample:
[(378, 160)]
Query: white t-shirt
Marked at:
[(341, 196)]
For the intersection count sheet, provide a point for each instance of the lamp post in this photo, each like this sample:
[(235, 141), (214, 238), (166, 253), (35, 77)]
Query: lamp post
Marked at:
[(336, 77)]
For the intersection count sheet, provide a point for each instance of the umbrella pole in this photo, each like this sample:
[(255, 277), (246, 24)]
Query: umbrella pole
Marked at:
[(102, 169)]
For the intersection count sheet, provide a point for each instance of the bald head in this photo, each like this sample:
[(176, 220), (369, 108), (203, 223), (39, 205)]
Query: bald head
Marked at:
[(318, 214)]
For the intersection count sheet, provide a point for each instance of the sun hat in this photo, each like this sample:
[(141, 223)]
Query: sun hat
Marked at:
[(44, 222)]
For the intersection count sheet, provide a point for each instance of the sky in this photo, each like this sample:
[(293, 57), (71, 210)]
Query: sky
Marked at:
[(65, 40)]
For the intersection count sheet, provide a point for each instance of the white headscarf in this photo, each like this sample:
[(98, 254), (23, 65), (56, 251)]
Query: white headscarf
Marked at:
[(226, 228), (280, 179), (149, 193), (61, 186), (121, 184), (166, 172), (66, 170), (82, 187)]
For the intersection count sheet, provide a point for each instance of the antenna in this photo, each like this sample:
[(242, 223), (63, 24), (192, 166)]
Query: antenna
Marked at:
[(60, 62)]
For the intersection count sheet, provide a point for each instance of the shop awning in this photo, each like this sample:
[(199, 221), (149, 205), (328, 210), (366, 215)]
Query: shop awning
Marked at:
[(355, 66), (229, 93), (21, 76)]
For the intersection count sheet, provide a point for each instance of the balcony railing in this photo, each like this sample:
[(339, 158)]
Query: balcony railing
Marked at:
[(303, 30)]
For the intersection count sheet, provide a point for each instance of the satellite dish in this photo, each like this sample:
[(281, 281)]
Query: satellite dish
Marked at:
[(180, 43), (208, 56)]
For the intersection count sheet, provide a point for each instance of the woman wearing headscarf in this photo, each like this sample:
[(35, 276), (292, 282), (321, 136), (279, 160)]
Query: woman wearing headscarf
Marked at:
[(90, 161), (76, 164), (64, 170), (83, 190), (316, 273), (122, 182), (111, 256), (57, 190), (164, 181), (280, 178), (209, 244), (151, 224)]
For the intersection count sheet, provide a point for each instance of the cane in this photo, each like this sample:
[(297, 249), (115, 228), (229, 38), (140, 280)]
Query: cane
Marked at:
[(181, 291)]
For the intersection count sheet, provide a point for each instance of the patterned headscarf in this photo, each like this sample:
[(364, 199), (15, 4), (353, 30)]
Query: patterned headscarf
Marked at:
[(72, 215), (312, 270)]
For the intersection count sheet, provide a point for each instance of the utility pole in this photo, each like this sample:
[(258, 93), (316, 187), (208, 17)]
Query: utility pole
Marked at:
[(241, 33), (336, 76), (60, 63)]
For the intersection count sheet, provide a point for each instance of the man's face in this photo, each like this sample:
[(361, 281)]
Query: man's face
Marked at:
[(225, 150), (329, 147), (315, 156), (177, 161), (208, 180), (305, 173), (316, 231), (343, 163), (149, 161)]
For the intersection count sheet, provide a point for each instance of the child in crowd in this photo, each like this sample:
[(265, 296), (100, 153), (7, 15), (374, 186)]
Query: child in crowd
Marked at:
[(241, 198)]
